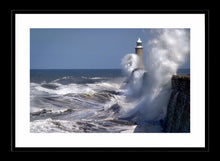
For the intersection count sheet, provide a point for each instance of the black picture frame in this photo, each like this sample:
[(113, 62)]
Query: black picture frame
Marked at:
[(109, 149)]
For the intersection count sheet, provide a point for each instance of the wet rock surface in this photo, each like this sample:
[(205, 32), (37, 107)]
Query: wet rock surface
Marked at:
[(178, 110)]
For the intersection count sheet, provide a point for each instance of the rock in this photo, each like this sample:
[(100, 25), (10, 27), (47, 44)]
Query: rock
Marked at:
[(178, 110)]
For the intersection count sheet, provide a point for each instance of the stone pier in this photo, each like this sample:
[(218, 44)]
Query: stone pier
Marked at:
[(178, 110)]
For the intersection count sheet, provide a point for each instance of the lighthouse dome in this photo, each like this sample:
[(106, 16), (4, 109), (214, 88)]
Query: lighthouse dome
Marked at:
[(139, 42)]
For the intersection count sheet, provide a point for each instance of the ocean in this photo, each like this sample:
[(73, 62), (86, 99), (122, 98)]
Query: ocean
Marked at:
[(82, 101)]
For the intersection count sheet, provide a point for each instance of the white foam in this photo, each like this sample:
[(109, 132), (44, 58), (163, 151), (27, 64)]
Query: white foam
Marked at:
[(129, 63), (105, 86), (65, 89), (166, 52), (74, 88), (63, 78), (34, 109), (130, 130), (135, 84), (77, 88), (96, 78), (51, 126)]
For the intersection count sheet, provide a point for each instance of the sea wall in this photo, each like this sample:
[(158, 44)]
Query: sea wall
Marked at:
[(178, 110)]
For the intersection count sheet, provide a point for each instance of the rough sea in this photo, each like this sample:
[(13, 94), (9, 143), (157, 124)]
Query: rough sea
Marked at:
[(82, 101)]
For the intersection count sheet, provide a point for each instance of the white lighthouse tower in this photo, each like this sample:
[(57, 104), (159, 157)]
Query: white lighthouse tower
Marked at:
[(139, 52)]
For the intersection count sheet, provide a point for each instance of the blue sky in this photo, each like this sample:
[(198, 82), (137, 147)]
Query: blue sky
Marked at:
[(84, 48)]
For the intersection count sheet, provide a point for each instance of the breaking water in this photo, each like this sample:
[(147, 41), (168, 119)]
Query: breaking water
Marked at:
[(82, 101)]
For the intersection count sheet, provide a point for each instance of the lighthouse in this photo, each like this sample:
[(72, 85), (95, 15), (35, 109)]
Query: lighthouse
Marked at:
[(139, 52)]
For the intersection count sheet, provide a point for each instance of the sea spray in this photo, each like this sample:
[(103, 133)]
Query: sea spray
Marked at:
[(165, 53), (135, 75), (129, 63)]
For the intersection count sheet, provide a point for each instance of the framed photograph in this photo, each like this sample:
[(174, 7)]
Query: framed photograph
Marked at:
[(109, 81)]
